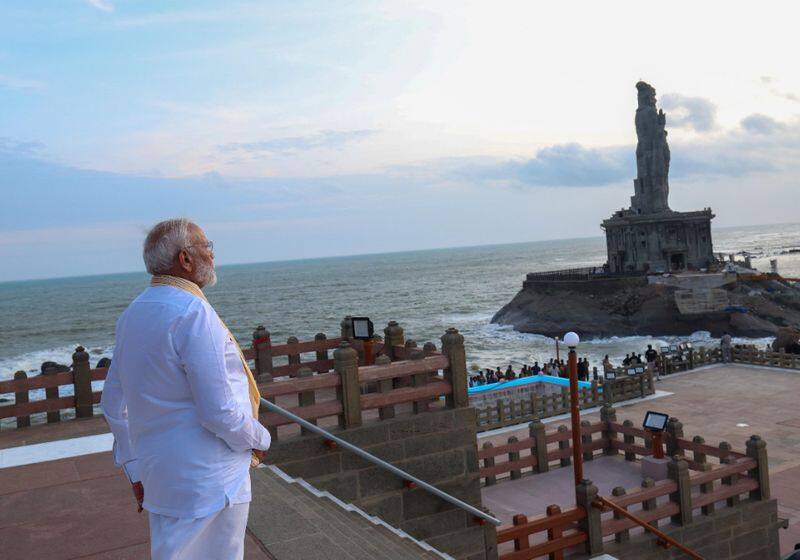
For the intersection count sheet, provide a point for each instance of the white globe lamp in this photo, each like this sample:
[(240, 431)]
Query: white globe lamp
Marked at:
[(571, 339)]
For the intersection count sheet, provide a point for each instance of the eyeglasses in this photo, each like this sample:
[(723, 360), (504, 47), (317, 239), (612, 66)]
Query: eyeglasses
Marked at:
[(208, 245)]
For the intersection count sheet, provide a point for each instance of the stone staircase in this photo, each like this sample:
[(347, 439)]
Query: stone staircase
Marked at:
[(293, 520)]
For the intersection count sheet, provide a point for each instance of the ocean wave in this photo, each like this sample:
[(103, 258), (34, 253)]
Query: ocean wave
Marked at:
[(31, 362)]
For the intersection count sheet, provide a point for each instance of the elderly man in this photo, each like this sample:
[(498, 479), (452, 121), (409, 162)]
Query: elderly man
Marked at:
[(182, 404)]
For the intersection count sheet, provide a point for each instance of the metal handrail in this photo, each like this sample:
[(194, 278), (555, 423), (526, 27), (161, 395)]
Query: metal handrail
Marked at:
[(665, 540), (380, 463)]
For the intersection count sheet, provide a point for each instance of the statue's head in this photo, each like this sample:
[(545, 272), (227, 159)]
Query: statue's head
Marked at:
[(647, 94)]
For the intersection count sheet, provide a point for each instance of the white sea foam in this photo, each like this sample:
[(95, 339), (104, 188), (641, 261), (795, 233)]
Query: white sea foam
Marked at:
[(31, 362)]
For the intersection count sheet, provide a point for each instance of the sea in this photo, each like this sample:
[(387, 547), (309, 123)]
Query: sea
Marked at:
[(425, 291)]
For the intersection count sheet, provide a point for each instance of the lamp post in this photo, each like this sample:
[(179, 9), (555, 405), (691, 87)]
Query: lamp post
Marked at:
[(558, 357), (571, 340)]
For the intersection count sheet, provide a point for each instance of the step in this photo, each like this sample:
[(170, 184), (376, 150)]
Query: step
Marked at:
[(301, 519)]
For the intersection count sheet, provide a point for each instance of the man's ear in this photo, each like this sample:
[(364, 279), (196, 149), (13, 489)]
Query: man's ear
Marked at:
[(185, 260)]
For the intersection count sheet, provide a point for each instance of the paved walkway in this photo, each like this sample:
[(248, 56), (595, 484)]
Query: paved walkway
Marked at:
[(81, 507), (730, 403)]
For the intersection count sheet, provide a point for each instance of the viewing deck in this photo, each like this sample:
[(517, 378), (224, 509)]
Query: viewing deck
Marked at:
[(721, 402)]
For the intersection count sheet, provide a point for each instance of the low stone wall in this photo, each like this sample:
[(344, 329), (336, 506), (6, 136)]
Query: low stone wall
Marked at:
[(439, 447), (748, 531)]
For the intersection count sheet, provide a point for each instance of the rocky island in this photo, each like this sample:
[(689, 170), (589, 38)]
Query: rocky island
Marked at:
[(661, 276)]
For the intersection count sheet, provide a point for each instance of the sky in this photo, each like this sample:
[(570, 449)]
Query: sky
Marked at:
[(308, 129)]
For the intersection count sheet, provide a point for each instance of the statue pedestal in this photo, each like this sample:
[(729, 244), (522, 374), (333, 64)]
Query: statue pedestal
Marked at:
[(654, 468)]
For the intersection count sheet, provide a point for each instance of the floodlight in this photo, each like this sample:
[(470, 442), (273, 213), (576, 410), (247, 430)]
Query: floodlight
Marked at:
[(571, 339), (655, 421), (362, 328)]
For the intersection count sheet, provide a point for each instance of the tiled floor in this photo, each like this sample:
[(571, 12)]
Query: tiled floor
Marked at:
[(81, 507)]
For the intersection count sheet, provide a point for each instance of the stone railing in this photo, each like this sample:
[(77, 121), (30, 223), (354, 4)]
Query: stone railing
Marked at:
[(507, 412), (334, 384), (698, 357), (713, 478)]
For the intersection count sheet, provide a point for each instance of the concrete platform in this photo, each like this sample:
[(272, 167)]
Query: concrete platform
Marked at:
[(533, 493), (80, 507), (721, 403)]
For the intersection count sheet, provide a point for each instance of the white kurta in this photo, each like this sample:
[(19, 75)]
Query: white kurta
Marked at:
[(176, 399)]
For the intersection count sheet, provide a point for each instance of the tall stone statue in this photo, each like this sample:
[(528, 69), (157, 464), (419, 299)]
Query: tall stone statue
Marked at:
[(651, 185)]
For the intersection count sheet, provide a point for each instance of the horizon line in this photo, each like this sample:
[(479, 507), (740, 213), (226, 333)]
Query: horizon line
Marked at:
[(401, 251)]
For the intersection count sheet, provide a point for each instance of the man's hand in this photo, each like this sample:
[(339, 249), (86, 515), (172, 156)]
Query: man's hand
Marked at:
[(260, 454), (138, 493)]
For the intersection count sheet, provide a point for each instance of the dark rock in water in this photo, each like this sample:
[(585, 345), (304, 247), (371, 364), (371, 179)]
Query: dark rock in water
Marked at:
[(96, 351), (60, 368), (631, 306), (4, 399), (787, 340), (103, 363)]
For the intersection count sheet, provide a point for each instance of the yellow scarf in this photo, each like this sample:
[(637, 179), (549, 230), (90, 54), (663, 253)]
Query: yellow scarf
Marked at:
[(194, 289)]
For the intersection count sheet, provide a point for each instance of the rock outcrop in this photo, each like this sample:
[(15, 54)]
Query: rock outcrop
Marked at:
[(627, 307)]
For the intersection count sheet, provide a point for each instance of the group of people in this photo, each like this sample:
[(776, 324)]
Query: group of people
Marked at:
[(632, 359), (554, 367)]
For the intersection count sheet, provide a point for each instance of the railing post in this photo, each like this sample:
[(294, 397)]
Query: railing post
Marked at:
[(294, 359), (586, 441), (706, 488), (536, 405), (625, 535), (608, 414), (554, 532), (488, 462), (346, 328), (698, 456), (565, 461), (516, 473), (537, 434), (419, 380), (456, 372), (345, 363), (678, 471), (595, 392), (585, 495), (384, 386), (565, 402), (51, 393), (674, 432), (728, 459), (22, 397), (392, 336), (262, 347), (82, 383), (629, 439), (501, 412), (650, 504), (757, 450), (306, 398), (522, 542), (322, 354)]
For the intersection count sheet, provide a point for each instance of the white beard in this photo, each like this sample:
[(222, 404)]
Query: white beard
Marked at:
[(206, 275)]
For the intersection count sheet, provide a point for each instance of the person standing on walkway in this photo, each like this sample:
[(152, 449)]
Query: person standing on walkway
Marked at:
[(651, 355), (183, 405), (725, 346)]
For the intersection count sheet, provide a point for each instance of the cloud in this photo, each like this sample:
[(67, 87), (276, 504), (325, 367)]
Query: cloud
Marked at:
[(695, 113), (12, 82), (295, 144), (760, 144), (26, 149), (770, 82), (103, 5), (761, 124)]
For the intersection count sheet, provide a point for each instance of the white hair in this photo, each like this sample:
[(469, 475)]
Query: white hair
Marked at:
[(163, 243)]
